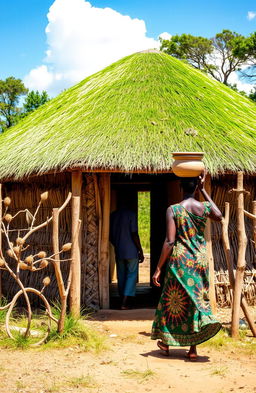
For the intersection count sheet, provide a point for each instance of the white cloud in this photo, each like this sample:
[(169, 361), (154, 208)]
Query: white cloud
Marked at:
[(251, 15), (165, 36), (83, 39), (40, 77), (242, 86)]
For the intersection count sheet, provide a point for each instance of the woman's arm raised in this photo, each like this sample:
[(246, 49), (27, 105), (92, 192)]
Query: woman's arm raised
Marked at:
[(215, 213)]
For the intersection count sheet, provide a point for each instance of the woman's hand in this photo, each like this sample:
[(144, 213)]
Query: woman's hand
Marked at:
[(156, 277), (201, 180)]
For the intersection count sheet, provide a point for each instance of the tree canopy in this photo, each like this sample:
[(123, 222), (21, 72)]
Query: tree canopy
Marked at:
[(34, 99), (248, 48), (11, 89), (219, 56)]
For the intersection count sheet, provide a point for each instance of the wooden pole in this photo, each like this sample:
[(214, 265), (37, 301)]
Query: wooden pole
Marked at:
[(226, 245), (254, 222), (208, 238), (242, 242), (1, 212), (104, 249), (75, 287)]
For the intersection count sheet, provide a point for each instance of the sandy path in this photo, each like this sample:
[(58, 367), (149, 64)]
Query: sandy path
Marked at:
[(217, 371)]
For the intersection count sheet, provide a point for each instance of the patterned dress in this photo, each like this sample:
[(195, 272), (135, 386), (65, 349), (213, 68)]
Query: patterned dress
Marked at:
[(183, 316)]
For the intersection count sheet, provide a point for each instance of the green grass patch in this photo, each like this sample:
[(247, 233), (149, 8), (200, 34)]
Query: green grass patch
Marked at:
[(79, 334), (223, 340), (76, 333)]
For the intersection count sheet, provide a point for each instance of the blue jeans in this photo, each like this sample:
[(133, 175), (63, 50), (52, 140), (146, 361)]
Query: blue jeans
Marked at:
[(127, 272)]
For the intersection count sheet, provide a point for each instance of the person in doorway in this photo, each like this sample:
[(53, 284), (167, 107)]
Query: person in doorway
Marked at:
[(128, 251), (183, 316)]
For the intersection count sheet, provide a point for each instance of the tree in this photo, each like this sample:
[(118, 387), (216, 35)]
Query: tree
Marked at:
[(188, 47), (11, 89), (248, 48), (216, 56), (34, 99), (252, 95)]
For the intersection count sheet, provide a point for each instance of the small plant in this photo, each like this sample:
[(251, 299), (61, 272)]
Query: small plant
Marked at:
[(78, 334), (53, 389), (21, 341), (83, 382), (142, 376), (3, 303), (71, 328), (20, 385), (220, 370)]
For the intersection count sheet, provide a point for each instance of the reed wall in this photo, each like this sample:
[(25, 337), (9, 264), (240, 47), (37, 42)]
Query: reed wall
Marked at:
[(220, 194), (26, 195)]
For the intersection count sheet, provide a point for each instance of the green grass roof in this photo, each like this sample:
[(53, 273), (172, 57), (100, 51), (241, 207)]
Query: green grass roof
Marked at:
[(131, 116)]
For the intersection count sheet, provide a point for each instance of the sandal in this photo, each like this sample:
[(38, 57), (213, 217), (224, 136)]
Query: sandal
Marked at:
[(191, 356), (163, 347)]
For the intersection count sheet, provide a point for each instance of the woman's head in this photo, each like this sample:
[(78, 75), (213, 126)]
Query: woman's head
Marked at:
[(188, 184)]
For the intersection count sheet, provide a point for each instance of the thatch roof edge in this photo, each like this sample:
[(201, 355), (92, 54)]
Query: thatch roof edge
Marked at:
[(107, 170)]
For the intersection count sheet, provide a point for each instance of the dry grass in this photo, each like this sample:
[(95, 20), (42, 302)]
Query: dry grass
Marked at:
[(141, 376), (131, 116)]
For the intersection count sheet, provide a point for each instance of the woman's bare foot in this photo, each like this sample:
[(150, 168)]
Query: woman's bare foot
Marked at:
[(192, 353), (163, 347)]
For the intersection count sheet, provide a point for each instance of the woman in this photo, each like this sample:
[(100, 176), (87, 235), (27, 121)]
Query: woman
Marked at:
[(183, 316)]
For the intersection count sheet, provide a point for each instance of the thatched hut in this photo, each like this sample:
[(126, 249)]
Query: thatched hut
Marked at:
[(120, 126)]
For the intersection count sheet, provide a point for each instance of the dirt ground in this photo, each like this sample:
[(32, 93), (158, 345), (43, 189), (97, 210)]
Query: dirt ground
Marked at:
[(132, 363)]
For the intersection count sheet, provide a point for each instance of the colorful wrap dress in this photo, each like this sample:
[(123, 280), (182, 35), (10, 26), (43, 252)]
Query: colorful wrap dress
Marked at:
[(183, 316)]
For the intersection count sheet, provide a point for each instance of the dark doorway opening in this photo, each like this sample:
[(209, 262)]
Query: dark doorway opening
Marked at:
[(150, 195)]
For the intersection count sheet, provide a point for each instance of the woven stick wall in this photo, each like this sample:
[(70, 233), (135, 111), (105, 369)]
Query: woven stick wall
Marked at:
[(224, 292), (220, 194), (89, 276)]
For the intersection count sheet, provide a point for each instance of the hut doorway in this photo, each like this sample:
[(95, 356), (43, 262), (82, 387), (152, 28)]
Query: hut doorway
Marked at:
[(137, 195), (149, 197)]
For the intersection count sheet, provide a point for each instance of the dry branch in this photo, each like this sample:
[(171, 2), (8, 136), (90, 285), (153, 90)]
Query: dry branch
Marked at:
[(32, 264)]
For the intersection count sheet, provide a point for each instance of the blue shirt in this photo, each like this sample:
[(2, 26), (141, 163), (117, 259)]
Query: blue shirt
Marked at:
[(123, 223)]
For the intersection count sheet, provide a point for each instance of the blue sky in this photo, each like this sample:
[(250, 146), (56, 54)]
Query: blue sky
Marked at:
[(24, 41)]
